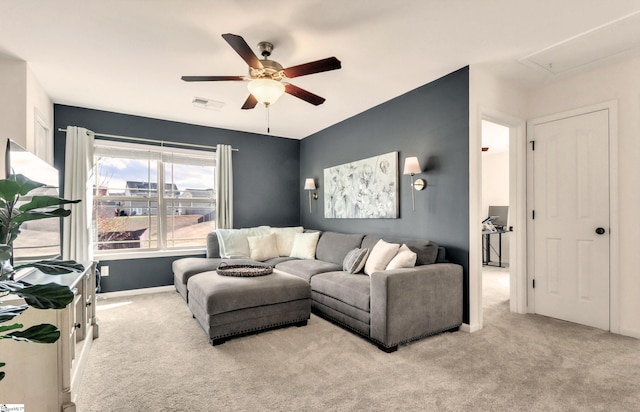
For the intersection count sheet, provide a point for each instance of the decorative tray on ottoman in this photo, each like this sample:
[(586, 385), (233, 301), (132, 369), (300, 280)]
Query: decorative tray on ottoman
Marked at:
[(225, 269)]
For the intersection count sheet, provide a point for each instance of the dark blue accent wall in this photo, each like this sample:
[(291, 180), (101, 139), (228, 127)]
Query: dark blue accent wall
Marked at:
[(265, 185), (432, 123)]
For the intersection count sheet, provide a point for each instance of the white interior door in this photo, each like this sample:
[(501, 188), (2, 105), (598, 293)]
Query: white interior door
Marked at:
[(571, 218)]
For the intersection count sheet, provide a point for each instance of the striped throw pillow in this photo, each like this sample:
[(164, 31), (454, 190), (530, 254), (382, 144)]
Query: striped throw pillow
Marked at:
[(355, 260)]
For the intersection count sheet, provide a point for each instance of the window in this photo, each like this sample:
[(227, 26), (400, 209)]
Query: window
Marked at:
[(151, 198)]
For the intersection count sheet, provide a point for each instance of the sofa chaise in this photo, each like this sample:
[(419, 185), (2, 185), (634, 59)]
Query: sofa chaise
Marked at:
[(390, 304)]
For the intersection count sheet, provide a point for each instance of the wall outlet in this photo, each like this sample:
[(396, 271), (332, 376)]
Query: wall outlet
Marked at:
[(104, 271)]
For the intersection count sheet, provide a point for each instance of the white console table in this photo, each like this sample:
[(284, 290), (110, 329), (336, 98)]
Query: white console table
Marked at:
[(46, 377)]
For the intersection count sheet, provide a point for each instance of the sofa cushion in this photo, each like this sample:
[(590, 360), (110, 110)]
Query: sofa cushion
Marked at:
[(264, 247), (380, 256), (354, 290), (273, 262), (426, 250), (355, 260), (285, 237), (307, 268), (304, 245), (233, 242), (405, 258), (333, 247), (184, 268), (219, 294)]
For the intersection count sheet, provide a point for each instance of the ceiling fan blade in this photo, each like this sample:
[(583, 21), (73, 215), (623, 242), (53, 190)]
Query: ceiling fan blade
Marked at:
[(324, 65), (210, 78), (242, 48), (250, 103), (308, 97)]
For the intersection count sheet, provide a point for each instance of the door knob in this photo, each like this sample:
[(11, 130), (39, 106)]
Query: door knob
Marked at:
[(600, 231)]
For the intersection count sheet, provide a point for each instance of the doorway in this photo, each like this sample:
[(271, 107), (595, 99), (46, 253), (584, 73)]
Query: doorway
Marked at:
[(494, 212)]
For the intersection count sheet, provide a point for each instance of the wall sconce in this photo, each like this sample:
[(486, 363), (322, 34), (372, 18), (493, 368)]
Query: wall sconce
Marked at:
[(412, 167), (310, 184)]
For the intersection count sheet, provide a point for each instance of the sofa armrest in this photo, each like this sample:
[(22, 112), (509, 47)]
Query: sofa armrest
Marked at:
[(213, 247), (407, 304)]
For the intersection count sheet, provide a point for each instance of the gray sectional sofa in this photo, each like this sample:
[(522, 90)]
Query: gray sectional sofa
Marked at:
[(389, 307)]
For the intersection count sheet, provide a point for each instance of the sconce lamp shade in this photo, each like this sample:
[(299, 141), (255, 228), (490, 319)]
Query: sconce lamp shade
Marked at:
[(411, 166), (309, 184), (266, 91)]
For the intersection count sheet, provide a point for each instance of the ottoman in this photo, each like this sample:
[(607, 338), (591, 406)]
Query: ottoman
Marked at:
[(227, 306)]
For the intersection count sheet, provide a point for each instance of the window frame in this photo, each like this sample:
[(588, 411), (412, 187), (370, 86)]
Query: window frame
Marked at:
[(160, 155)]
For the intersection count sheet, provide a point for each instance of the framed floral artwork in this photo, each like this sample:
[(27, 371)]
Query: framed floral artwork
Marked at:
[(364, 189)]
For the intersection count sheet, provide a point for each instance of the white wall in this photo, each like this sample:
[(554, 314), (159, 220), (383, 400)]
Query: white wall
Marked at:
[(13, 104), (495, 180), (21, 96), (619, 82), (38, 104), (495, 100)]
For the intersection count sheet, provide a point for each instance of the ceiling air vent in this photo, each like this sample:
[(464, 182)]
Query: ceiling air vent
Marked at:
[(204, 103), (606, 41)]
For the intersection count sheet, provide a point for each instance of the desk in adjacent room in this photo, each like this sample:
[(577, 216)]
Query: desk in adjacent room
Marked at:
[(486, 247)]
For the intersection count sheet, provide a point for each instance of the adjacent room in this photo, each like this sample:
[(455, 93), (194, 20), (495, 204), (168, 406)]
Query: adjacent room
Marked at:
[(316, 206), (495, 207)]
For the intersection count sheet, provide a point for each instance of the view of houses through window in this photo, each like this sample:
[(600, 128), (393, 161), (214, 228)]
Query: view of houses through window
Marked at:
[(129, 212)]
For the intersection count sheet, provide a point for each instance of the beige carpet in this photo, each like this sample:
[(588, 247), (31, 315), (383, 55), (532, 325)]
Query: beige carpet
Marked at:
[(152, 356)]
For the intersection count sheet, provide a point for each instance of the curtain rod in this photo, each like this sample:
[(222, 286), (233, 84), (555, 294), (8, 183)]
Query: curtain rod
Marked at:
[(141, 139)]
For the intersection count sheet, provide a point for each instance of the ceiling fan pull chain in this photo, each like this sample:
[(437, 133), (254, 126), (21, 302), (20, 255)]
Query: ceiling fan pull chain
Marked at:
[(268, 120)]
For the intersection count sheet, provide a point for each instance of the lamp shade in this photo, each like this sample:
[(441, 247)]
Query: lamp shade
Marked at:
[(411, 166), (309, 184), (266, 91)]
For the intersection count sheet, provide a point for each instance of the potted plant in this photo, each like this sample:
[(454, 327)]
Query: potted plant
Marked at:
[(47, 296)]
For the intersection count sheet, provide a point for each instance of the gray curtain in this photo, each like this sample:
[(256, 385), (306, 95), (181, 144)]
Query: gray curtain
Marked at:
[(224, 187), (77, 239)]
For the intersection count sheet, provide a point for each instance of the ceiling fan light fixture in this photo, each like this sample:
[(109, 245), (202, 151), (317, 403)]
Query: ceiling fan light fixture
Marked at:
[(266, 91)]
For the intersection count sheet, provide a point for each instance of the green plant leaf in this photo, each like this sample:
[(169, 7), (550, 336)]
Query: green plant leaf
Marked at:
[(43, 333), (9, 312), (47, 296), (9, 189), (11, 327), (35, 215), (2, 373), (54, 267), (38, 202), (5, 252)]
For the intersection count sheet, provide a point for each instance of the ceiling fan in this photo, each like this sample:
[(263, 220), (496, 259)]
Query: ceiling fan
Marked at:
[(267, 78)]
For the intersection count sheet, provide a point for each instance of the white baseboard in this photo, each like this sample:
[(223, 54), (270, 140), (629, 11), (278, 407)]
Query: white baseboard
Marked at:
[(465, 327), (628, 332), (133, 292)]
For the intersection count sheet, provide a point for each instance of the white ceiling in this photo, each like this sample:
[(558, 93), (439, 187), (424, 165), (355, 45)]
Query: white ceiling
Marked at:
[(127, 56)]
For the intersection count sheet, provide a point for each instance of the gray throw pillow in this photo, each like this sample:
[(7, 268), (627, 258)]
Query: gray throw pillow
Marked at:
[(355, 260)]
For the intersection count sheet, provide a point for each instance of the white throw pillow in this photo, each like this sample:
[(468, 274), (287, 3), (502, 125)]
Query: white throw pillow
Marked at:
[(233, 242), (405, 258), (262, 248), (284, 238), (304, 245), (380, 256)]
